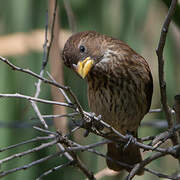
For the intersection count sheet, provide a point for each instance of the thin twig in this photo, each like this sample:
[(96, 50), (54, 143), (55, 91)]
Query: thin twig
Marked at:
[(43, 122), (5, 173), (162, 137), (42, 146), (61, 115), (125, 139), (61, 90), (155, 110), (30, 98), (41, 138), (177, 110), (44, 63), (160, 175), (45, 131), (130, 166), (54, 83), (54, 169), (27, 71), (159, 52), (66, 154), (68, 90), (142, 164), (52, 32)]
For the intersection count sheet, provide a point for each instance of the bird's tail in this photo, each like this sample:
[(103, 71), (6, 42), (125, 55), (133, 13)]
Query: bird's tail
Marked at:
[(131, 155)]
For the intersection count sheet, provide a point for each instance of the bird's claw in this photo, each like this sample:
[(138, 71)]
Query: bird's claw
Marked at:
[(96, 123), (131, 140), (90, 123)]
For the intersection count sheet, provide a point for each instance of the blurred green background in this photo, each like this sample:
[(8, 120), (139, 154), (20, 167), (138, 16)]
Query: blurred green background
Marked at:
[(136, 22)]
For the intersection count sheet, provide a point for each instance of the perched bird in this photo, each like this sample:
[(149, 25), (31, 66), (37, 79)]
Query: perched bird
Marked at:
[(120, 87)]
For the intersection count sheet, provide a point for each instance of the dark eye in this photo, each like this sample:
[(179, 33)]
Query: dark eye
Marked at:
[(82, 49)]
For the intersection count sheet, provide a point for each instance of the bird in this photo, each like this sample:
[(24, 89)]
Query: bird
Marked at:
[(120, 87)]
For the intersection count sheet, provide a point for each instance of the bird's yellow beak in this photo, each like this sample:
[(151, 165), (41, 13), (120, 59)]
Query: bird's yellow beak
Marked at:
[(83, 67)]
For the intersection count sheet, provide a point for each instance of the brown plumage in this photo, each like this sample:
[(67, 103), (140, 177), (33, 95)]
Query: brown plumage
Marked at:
[(120, 86)]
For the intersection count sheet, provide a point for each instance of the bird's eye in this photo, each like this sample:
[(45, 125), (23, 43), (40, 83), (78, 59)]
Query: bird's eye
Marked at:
[(82, 49)]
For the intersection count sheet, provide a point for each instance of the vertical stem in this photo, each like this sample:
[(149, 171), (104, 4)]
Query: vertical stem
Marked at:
[(159, 53), (177, 115)]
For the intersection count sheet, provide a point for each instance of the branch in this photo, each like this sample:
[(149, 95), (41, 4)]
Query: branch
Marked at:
[(27, 71), (5, 173), (52, 34), (42, 146), (43, 122), (177, 109), (44, 63), (26, 142), (54, 83), (54, 169), (30, 98), (159, 52), (142, 164)]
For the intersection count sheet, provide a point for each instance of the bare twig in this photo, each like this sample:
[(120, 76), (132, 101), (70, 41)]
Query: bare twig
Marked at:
[(159, 52), (38, 85), (160, 175), (34, 105), (142, 164), (42, 146), (162, 137), (5, 173), (177, 110), (30, 98), (66, 154), (125, 139), (68, 90), (54, 83), (61, 90), (155, 110), (61, 115), (83, 167), (69, 148), (45, 131), (52, 32), (27, 71), (42, 138), (54, 169)]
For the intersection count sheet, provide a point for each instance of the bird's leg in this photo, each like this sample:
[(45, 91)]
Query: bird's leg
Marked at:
[(97, 124), (96, 121), (87, 124), (131, 139)]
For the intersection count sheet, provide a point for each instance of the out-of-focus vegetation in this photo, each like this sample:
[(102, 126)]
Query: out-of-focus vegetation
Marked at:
[(136, 22)]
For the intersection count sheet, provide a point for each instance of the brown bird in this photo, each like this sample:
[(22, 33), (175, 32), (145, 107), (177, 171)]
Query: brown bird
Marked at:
[(120, 87)]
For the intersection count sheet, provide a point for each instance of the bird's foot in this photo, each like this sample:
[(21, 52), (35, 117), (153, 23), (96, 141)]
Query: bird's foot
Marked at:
[(87, 124), (131, 139), (96, 121), (92, 122), (98, 125)]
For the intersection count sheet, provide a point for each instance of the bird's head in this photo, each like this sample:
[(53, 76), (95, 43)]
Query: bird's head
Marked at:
[(83, 51)]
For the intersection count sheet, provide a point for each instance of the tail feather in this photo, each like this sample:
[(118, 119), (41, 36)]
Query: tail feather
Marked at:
[(131, 155)]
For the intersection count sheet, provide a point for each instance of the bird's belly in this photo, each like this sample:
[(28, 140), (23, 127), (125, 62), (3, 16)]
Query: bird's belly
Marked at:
[(120, 108)]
